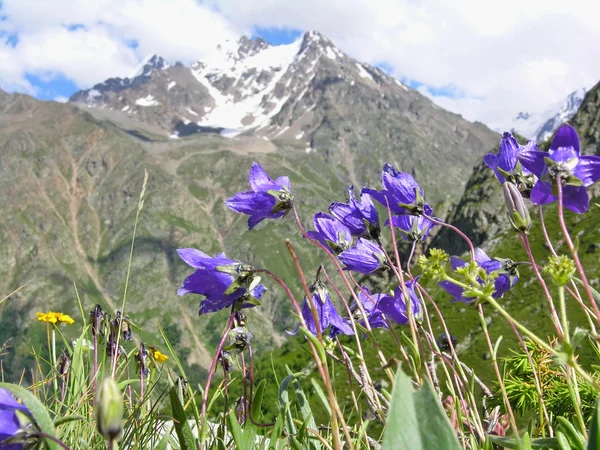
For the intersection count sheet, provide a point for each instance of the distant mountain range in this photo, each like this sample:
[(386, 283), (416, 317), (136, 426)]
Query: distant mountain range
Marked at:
[(541, 126)]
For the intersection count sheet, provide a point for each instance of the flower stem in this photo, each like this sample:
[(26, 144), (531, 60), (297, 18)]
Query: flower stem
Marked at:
[(456, 230), (525, 241), (511, 415), (563, 226), (211, 372)]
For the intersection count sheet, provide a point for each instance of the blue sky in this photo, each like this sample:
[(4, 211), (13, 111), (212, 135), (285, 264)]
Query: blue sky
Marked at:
[(483, 59)]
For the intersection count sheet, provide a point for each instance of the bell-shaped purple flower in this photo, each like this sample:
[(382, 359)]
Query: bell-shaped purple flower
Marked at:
[(413, 228), (334, 235), (562, 161), (505, 163), (9, 421), (365, 257), (326, 313), (268, 199), (503, 282), (221, 280), (401, 191), (370, 303), (361, 218), (394, 306)]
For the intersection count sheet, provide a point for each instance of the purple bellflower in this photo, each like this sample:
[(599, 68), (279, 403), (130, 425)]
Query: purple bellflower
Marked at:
[(268, 199), (562, 161), (370, 303), (365, 257), (221, 280), (326, 313), (506, 278), (401, 191), (506, 165), (413, 228), (361, 218), (394, 305), (10, 424), (334, 235)]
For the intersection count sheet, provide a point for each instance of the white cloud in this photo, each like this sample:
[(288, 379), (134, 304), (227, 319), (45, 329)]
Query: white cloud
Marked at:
[(90, 40), (60, 99), (500, 56)]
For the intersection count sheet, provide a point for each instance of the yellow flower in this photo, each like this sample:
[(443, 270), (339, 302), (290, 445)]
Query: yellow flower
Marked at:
[(54, 317), (159, 357)]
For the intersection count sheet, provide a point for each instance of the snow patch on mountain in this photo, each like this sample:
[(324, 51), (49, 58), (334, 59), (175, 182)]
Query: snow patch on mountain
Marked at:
[(148, 100), (256, 73), (541, 126)]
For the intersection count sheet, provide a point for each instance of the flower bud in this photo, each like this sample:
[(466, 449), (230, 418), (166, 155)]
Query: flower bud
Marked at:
[(109, 410), (518, 214)]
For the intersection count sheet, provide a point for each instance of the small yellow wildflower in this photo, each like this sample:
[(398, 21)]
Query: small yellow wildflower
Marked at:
[(159, 357), (54, 317)]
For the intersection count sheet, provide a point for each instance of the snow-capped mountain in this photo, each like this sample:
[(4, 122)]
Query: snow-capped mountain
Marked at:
[(304, 97), (541, 126), (241, 86)]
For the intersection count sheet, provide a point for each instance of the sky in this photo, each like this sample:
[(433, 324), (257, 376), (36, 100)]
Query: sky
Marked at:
[(486, 60)]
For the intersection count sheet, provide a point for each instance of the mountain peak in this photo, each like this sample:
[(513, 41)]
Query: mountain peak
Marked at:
[(150, 63)]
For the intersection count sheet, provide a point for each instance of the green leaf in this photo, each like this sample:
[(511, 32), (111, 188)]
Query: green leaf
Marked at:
[(163, 443), (277, 430), (182, 427), (236, 431), (594, 433), (66, 419), (37, 409), (416, 420), (571, 434), (319, 391)]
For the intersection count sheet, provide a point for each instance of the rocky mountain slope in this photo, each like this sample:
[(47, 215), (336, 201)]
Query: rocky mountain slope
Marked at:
[(308, 96), (70, 176)]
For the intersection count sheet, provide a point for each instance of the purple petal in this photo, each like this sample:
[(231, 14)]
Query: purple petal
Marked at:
[(349, 216), (331, 229), (207, 282), (566, 136), (367, 208), (452, 289), (361, 258), (283, 181), (251, 202), (193, 257), (335, 319), (563, 154), (534, 162), (258, 178), (402, 187), (508, 152), (541, 193), (481, 256), (491, 161), (576, 199), (588, 169), (501, 285), (255, 219), (456, 262)]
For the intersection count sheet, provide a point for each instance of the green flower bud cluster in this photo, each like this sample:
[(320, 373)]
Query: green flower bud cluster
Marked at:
[(561, 268), (434, 266)]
